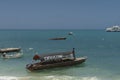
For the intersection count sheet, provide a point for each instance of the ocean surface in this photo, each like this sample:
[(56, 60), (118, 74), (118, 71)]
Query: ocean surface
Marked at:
[(102, 49)]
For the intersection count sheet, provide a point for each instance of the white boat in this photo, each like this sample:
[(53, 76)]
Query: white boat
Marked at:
[(16, 55), (7, 50), (113, 29), (11, 53)]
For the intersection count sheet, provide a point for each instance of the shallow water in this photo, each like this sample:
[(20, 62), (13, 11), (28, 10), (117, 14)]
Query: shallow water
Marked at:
[(101, 48)]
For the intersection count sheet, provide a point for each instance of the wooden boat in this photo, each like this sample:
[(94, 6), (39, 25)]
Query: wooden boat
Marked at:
[(59, 38), (60, 59), (11, 53), (7, 50), (62, 38)]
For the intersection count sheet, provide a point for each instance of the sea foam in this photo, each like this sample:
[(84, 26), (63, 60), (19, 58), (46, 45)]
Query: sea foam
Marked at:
[(60, 78), (8, 78)]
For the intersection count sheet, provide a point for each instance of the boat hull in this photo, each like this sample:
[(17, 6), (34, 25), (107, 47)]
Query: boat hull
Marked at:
[(61, 38), (39, 66), (7, 50), (12, 56), (113, 29)]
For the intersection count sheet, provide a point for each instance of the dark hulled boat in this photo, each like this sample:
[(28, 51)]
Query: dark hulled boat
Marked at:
[(62, 38), (59, 38), (53, 60)]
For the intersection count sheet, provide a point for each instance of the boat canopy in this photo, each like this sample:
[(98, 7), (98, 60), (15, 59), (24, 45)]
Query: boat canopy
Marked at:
[(55, 57), (57, 53)]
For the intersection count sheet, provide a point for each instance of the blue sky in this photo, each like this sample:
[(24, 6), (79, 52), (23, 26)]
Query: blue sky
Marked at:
[(59, 14)]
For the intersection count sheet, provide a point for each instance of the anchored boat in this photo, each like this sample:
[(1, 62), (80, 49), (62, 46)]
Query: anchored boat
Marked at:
[(59, 38), (62, 38), (7, 50), (53, 60), (11, 53)]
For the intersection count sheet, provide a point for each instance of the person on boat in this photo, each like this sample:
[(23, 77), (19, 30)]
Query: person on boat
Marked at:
[(36, 57), (4, 55), (74, 53)]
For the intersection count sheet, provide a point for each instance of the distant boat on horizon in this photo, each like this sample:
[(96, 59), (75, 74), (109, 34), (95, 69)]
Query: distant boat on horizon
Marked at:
[(113, 29)]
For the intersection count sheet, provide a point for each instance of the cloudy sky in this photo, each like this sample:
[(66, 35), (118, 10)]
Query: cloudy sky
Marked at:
[(59, 14)]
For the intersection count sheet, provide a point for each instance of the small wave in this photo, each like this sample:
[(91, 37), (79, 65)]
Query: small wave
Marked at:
[(90, 78), (103, 39), (60, 78), (30, 48), (14, 78), (48, 78), (8, 78)]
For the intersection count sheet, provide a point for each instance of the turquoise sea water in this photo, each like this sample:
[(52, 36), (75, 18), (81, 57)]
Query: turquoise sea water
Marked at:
[(102, 49)]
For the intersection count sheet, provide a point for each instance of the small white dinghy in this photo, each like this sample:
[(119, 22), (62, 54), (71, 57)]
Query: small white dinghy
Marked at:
[(11, 53)]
